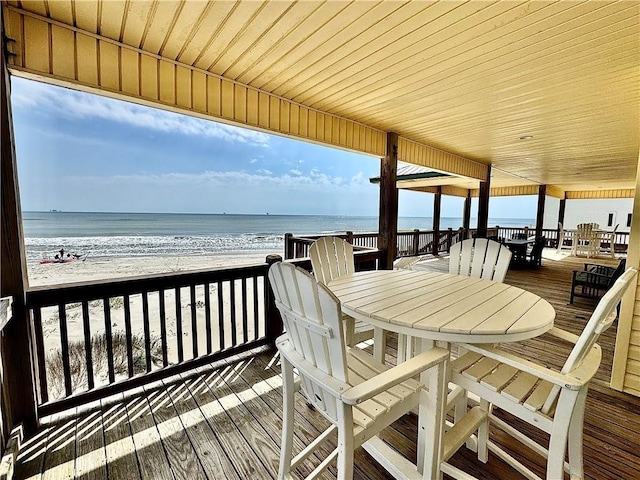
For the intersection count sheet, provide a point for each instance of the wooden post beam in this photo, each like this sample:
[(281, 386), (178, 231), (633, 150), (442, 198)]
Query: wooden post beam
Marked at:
[(437, 204), (561, 210), (542, 196), (483, 205), (14, 345), (388, 218), (466, 214)]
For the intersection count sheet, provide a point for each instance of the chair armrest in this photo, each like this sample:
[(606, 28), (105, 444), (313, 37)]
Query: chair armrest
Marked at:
[(564, 335), (571, 382), (329, 383), (393, 376)]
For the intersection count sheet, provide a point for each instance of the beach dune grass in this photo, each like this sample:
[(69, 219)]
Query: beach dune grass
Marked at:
[(99, 356)]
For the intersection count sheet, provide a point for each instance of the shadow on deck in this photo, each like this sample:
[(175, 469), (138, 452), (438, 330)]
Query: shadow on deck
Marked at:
[(224, 420)]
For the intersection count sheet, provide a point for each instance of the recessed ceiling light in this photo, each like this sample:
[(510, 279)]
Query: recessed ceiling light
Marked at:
[(526, 137)]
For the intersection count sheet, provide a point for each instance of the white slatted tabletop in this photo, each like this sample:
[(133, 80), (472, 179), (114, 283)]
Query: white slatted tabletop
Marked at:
[(440, 306)]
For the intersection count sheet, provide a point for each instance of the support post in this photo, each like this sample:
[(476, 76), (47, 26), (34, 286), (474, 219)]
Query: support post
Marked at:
[(274, 327), (483, 205), (14, 345), (542, 196), (416, 242), (437, 203), (466, 215), (388, 218), (288, 246), (561, 210)]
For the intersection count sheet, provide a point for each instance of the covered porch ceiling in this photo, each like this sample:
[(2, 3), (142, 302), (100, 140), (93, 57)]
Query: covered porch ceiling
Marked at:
[(544, 92)]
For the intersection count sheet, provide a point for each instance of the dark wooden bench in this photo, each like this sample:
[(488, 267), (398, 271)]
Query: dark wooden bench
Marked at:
[(594, 280)]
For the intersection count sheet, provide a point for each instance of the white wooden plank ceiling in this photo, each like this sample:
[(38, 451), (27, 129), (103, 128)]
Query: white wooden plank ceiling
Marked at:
[(469, 77)]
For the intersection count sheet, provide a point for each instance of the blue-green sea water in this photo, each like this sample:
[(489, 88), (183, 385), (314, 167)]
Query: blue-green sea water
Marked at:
[(139, 234)]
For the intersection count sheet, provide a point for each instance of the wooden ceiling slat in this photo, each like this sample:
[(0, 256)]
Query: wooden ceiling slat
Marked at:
[(159, 24), (227, 33), (462, 57), (242, 49), (187, 22), (302, 31), (444, 33), (359, 19), (384, 40), (112, 18), (61, 10), (516, 65), (471, 72), (206, 32), (135, 25), (87, 15)]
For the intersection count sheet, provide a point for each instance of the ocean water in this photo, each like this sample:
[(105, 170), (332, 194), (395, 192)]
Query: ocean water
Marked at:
[(140, 234)]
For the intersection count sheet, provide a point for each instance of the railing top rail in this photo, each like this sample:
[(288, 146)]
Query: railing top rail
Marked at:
[(50, 295)]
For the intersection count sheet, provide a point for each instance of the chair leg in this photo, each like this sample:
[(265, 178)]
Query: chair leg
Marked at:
[(483, 433), (575, 437), (562, 422), (288, 391), (346, 444)]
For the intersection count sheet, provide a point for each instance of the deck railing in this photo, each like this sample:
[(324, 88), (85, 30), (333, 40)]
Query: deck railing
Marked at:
[(98, 338), (421, 242), (408, 243)]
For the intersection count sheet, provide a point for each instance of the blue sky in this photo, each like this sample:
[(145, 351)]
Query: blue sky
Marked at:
[(82, 152)]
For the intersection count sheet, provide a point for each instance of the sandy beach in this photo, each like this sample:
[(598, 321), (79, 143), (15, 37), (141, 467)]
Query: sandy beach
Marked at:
[(114, 267), (100, 268)]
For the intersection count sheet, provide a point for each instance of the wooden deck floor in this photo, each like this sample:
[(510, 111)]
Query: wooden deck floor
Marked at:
[(224, 420)]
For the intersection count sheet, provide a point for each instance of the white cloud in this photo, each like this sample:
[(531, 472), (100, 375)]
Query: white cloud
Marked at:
[(295, 172), (253, 160), (69, 103), (261, 178)]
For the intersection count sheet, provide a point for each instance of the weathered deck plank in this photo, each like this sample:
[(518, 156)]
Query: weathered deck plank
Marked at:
[(152, 458), (120, 448), (207, 447), (180, 452)]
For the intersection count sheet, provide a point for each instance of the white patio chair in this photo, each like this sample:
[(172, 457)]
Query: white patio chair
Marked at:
[(562, 236), (332, 257), (480, 258), (587, 240), (542, 397), (356, 394), (610, 239)]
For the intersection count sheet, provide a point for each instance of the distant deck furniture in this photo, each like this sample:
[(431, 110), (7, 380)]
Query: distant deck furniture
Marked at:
[(586, 240), (562, 236), (533, 257), (594, 280), (607, 244)]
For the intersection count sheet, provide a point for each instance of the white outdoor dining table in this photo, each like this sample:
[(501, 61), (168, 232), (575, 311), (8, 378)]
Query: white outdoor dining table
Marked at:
[(438, 307)]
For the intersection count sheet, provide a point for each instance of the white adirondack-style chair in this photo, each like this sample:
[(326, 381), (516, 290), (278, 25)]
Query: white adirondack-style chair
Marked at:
[(587, 240), (562, 236), (551, 400), (480, 258), (332, 257), (358, 395)]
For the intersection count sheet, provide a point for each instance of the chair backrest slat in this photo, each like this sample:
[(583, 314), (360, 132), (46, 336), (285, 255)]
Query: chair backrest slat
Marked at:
[(331, 257), (480, 258)]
